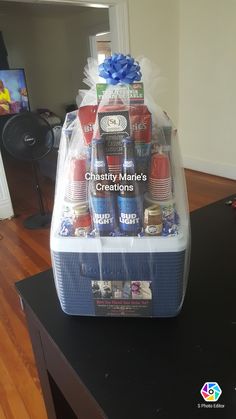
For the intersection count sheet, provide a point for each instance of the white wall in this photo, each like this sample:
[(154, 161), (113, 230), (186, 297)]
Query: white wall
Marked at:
[(154, 32), (51, 43), (193, 43), (207, 85)]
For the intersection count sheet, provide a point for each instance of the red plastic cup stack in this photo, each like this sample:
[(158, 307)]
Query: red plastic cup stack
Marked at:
[(159, 183), (114, 165), (76, 189)]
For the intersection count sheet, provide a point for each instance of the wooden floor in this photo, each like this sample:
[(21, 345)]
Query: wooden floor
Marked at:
[(26, 252), (204, 189)]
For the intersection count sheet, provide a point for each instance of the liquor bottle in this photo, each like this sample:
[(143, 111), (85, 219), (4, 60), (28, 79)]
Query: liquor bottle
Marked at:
[(153, 220), (129, 199), (82, 220), (101, 199)]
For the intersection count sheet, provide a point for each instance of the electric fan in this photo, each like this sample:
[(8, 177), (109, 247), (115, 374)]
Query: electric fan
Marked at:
[(27, 136)]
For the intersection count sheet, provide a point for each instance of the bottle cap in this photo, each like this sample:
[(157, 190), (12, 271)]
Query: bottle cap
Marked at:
[(97, 141), (81, 209), (127, 140), (153, 210)]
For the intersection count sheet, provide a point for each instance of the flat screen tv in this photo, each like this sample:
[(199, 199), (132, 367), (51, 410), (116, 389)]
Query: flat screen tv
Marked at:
[(13, 92)]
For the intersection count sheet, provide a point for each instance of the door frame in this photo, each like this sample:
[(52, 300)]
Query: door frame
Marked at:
[(118, 18)]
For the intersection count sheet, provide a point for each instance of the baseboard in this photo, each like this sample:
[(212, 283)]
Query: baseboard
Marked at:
[(213, 168), (6, 210)]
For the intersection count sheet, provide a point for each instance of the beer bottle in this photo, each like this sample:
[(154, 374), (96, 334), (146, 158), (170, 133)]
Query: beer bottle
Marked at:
[(101, 199), (129, 199)]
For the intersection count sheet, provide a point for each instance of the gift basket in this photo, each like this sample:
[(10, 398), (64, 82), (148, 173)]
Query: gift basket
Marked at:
[(120, 231)]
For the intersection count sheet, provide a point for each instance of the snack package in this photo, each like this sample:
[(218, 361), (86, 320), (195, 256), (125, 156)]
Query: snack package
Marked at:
[(120, 221)]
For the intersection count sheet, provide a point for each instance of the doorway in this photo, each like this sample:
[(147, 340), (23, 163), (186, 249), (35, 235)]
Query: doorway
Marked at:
[(100, 46)]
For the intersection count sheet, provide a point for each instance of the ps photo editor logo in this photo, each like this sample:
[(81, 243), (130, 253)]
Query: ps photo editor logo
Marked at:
[(211, 392)]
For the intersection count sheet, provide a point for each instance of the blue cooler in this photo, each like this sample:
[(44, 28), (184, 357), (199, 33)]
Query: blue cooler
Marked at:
[(121, 276)]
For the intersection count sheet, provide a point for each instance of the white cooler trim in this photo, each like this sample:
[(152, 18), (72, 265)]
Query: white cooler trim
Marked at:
[(119, 244)]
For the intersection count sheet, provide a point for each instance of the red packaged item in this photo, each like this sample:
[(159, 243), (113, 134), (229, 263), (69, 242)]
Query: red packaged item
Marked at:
[(141, 128), (141, 124), (160, 179), (87, 116), (76, 187), (111, 108), (77, 169), (160, 166)]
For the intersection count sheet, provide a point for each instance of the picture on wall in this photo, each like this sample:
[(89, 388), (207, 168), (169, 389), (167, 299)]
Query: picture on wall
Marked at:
[(13, 92)]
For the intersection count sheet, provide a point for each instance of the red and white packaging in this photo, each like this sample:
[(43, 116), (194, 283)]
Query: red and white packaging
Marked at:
[(159, 183), (87, 116), (141, 123), (76, 186)]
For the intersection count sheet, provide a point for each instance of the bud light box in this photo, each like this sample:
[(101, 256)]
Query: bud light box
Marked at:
[(120, 234)]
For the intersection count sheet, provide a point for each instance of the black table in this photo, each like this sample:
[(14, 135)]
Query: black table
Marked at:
[(136, 368)]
